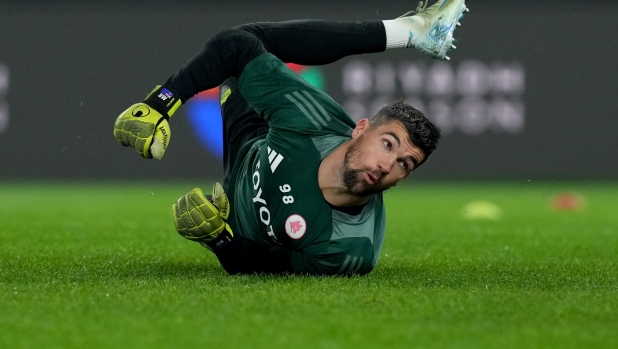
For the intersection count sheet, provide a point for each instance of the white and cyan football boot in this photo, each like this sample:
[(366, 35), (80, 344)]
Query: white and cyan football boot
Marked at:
[(430, 30)]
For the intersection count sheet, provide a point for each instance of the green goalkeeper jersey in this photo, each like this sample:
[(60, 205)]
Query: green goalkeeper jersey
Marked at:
[(274, 190)]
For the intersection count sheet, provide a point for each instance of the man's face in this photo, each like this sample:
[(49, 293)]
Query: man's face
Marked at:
[(378, 157)]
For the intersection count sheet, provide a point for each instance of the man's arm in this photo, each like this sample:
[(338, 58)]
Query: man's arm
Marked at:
[(144, 125), (203, 219)]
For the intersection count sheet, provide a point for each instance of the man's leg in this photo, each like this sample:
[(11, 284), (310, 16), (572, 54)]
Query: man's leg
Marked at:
[(304, 42), (318, 42)]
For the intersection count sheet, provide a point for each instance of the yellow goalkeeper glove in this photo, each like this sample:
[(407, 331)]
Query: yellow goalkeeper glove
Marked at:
[(203, 219), (144, 125)]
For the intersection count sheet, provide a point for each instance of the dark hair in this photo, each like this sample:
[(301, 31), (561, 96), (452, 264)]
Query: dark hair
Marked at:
[(423, 133)]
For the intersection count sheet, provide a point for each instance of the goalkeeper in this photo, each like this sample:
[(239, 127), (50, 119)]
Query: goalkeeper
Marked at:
[(303, 183)]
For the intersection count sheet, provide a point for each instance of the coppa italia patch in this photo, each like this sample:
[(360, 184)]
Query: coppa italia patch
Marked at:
[(165, 94), (295, 226)]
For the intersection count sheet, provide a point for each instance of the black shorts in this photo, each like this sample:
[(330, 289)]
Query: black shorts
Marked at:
[(241, 125)]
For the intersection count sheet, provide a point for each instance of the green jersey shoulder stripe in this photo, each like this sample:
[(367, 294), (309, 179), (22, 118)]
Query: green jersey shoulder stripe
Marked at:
[(303, 110), (306, 102), (318, 105), (313, 111)]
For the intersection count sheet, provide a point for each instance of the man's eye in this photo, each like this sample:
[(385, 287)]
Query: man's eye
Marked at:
[(404, 165), (387, 144)]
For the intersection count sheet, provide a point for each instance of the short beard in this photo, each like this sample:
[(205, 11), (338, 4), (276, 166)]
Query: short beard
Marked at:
[(354, 179)]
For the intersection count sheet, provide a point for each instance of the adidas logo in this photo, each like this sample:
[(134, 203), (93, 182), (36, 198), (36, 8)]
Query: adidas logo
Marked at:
[(274, 159)]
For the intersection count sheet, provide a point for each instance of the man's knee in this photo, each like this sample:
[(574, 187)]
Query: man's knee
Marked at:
[(253, 28), (237, 47), (234, 38), (261, 31)]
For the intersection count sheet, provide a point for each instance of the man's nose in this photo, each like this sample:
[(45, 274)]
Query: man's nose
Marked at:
[(386, 164)]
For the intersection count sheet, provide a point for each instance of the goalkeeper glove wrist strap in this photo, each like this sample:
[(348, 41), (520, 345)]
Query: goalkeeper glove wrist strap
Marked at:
[(164, 99), (221, 241)]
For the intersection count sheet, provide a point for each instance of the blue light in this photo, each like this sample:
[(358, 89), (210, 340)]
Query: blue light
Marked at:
[(205, 118)]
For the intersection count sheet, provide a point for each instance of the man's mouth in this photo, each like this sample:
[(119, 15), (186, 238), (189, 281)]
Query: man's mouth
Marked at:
[(371, 178)]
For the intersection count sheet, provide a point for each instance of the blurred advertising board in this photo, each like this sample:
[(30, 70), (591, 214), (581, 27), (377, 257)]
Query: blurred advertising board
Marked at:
[(529, 93)]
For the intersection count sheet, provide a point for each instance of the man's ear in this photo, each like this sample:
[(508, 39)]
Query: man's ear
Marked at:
[(361, 128)]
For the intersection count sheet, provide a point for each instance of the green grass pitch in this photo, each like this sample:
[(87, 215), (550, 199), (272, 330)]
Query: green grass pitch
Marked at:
[(100, 266)]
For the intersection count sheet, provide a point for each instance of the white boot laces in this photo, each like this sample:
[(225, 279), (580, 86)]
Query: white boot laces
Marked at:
[(419, 8)]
